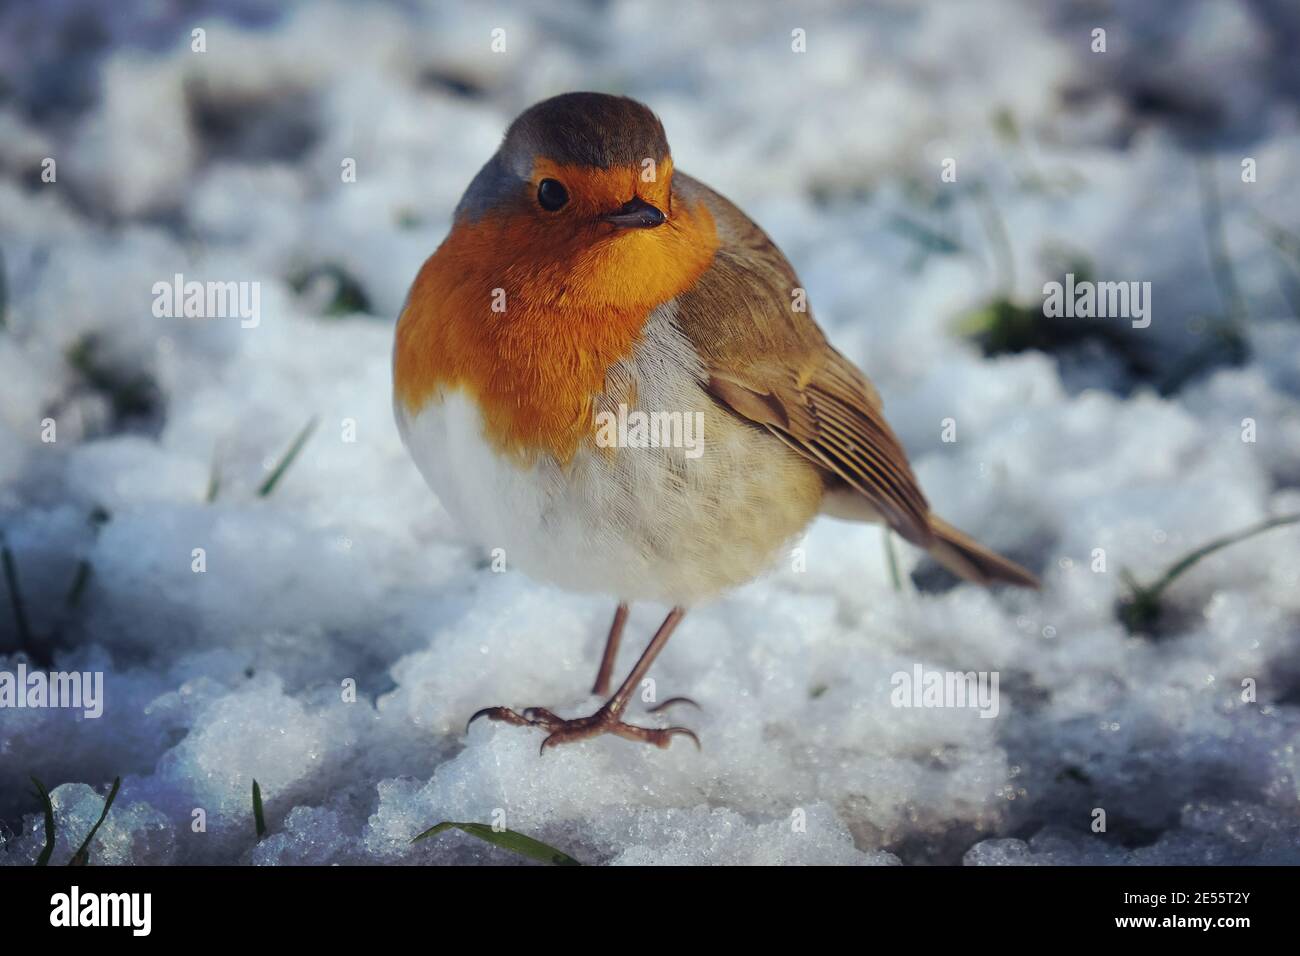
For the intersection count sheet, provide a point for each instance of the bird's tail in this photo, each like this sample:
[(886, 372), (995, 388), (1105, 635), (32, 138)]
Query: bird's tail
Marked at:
[(967, 558)]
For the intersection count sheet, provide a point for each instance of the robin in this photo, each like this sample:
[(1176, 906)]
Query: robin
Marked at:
[(590, 307)]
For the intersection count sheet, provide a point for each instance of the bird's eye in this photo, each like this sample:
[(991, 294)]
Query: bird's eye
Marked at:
[(552, 194)]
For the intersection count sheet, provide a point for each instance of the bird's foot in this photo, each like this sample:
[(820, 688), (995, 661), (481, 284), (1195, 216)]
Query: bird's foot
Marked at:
[(604, 721)]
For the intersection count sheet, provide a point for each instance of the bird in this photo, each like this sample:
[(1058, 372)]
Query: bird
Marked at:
[(611, 373)]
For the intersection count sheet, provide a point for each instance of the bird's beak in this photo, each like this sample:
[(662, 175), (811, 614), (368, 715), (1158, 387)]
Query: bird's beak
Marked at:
[(636, 213)]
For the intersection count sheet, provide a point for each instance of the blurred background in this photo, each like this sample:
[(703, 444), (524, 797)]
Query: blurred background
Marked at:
[(317, 151)]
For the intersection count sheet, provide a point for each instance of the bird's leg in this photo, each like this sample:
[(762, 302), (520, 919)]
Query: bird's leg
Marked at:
[(618, 703), (607, 720), (601, 687), (607, 661)]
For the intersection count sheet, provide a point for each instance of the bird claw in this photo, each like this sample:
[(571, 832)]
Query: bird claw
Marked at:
[(506, 715), (603, 721), (669, 702), (661, 737)]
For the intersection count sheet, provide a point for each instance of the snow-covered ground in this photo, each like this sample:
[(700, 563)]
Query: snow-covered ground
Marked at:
[(225, 165)]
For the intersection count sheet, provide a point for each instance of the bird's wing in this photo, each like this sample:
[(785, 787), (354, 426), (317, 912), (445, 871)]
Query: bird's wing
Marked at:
[(768, 362)]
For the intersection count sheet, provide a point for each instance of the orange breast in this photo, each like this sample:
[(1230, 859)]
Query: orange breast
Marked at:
[(526, 316)]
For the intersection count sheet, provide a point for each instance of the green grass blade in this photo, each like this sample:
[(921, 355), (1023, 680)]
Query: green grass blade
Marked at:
[(1217, 544), (259, 817), (1004, 259), (44, 858), (1221, 268), (4, 294), (274, 477), (1141, 610), (891, 558), (931, 240), (1283, 240), (78, 586), (214, 479), (82, 856), (21, 623), (507, 840)]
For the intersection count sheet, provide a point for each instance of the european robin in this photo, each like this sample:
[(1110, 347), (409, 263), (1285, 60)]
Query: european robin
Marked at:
[(607, 370)]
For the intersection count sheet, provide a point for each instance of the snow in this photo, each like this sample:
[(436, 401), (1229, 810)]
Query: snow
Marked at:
[(225, 165)]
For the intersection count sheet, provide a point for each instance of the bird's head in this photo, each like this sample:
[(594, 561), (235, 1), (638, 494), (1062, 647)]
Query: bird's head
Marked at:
[(579, 203), (563, 246)]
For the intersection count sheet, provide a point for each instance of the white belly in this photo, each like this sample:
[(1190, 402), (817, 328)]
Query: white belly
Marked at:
[(668, 524)]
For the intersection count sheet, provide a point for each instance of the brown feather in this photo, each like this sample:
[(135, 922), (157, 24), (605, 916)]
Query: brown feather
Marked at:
[(967, 558), (773, 366)]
